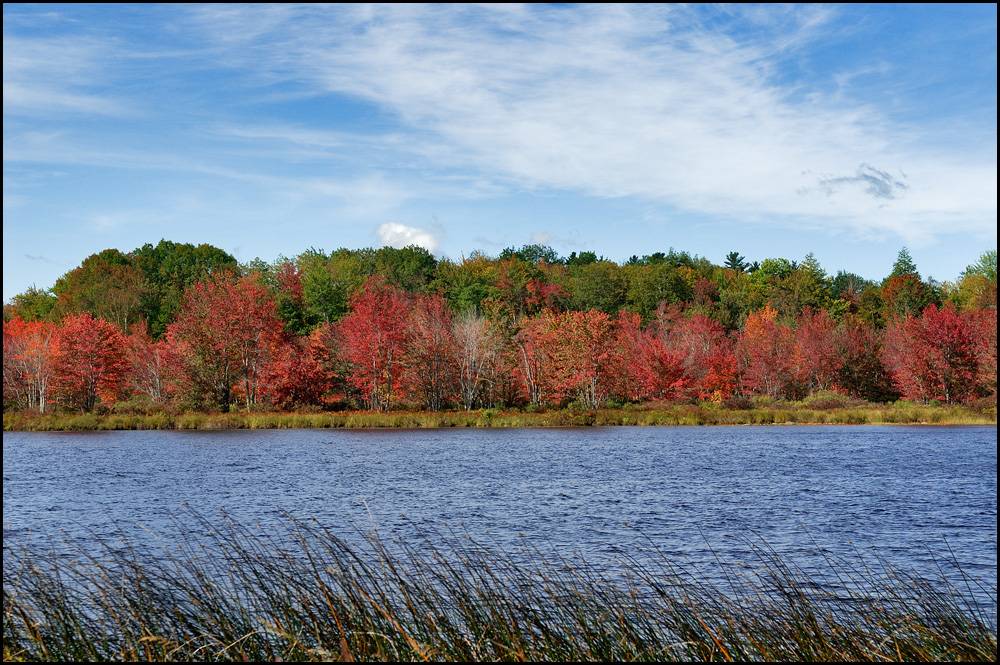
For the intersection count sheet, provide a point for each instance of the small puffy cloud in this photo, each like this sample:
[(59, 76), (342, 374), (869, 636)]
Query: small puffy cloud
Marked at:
[(398, 235)]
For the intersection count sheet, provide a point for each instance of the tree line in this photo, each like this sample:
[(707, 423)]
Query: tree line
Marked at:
[(185, 327)]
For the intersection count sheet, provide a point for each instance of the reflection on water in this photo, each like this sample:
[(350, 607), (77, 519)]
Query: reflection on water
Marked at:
[(694, 494)]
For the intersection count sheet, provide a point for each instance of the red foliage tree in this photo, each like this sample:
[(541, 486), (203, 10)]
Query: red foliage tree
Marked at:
[(29, 353), (91, 363), (649, 368), (983, 326), (544, 295), (933, 357), (533, 350), (586, 356), (765, 352), (815, 359), (148, 363), (709, 356), (300, 373), (431, 355), (375, 336), (861, 372), (223, 338)]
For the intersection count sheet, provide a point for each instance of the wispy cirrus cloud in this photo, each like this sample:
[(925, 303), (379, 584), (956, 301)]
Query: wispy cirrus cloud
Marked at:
[(57, 75), (616, 101)]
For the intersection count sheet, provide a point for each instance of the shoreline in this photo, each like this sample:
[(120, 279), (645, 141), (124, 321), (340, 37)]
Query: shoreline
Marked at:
[(900, 413)]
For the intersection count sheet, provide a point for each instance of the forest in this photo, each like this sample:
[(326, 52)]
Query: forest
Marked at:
[(177, 327)]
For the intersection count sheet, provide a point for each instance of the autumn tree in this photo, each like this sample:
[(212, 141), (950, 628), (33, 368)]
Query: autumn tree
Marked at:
[(29, 354), (933, 357), (91, 363), (224, 337), (904, 295), (977, 285), (815, 360), (532, 355), (501, 384), (301, 371), (766, 350), (472, 356), (586, 356), (983, 326), (375, 337), (648, 367), (708, 352), (431, 355), (148, 364), (861, 372)]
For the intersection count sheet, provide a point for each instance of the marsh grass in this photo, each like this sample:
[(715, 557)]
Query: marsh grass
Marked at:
[(815, 412), (225, 591)]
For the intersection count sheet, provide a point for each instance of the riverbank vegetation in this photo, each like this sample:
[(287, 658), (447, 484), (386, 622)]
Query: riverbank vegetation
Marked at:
[(174, 333), (821, 411), (226, 592)]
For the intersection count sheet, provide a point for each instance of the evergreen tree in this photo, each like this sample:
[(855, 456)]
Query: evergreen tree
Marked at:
[(904, 265)]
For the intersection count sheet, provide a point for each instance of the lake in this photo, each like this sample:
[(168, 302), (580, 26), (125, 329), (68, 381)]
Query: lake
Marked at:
[(694, 493)]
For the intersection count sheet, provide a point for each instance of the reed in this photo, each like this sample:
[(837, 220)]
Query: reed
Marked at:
[(301, 593)]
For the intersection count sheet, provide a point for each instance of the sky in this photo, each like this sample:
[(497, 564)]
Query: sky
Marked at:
[(848, 131)]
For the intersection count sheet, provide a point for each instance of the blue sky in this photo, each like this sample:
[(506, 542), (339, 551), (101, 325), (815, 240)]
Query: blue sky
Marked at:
[(846, 131)]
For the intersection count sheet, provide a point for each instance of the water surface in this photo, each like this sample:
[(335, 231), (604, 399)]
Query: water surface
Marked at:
[(693, 493)]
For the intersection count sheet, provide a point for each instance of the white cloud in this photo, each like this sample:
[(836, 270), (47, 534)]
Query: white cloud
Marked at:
[(616, 101), (398, 235)]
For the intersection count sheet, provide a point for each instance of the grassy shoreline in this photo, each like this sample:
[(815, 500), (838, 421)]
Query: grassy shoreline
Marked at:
[(900, 413)]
